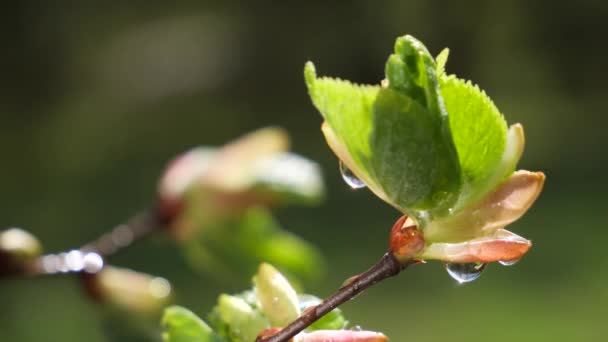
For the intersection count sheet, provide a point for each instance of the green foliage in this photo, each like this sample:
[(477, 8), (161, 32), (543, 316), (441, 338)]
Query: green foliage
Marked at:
[(225, 196), (277, 298), (398, 136), (231, 246), (422, 141), (182, 325), (272, 302), (479, 132)]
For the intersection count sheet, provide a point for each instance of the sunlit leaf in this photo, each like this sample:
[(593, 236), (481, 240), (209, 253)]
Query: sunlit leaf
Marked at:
[(480, 134), (182, 325), (397, 139), (244, 321)]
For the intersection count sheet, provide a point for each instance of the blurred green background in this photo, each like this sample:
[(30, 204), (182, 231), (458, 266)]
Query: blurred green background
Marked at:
[(97, 96)]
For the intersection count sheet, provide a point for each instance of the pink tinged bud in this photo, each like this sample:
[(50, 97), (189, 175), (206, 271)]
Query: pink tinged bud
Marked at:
[(501, 246), (19, 244), (185, 171), (129, 291), (405, 240), (341, 336), (228, 169)]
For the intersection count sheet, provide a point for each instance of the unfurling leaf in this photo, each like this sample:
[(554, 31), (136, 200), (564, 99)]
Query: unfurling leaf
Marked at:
[(435, 147), (396, 139), (246, 322), (219, 200), (278, 300), (129, 291)]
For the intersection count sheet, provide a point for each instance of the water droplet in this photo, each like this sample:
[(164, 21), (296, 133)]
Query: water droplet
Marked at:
[(356, 328), (350, 178), (74, 261), (509, 263), (93, 262), (464, 273)]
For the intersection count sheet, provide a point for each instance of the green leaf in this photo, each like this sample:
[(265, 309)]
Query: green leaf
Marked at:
[(397, 139), (244, 321), (182, 325), (348, 108), (442, 60), (235, 246), (278, 300), (480, 135)]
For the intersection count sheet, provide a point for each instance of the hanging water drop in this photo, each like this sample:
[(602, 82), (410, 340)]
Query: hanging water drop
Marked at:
[(350, 178), (509, 263), (464, 273)]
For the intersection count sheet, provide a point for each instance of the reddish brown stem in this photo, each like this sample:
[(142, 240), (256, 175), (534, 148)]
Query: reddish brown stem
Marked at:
[(387, 267)]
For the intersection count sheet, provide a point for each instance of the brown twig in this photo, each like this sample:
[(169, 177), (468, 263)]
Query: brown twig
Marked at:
[(387, 267), (138, 227)]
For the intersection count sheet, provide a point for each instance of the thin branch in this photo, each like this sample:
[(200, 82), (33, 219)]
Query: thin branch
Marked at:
[(387, 267), (119, 238), (124, 235)]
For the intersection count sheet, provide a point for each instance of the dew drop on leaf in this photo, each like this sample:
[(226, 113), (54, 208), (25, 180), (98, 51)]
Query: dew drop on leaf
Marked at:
[(464, 273), (509, 263), (350, 178)]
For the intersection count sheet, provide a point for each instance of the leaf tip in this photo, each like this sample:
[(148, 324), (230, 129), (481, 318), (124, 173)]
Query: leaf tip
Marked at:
[(310, 74), (441, 60)]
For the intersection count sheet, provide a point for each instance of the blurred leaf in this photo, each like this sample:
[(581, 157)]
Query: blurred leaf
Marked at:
[(289, 178), (278, 300), (182, 325), (19, 244), (131, 302), (245, 323), (239, 244), (220, 198), (255, 167), (130, 292)]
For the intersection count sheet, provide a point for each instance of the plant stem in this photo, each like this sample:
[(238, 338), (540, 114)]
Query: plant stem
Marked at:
[(124, 235), (138, 227), (387, 267)]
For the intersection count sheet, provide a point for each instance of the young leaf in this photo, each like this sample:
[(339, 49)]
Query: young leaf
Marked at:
[(182, 325), (278, 300), (132, 292), (397, 139), (441, 60), (237, 245), (480, 135), (245, 322)]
